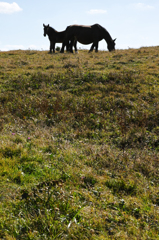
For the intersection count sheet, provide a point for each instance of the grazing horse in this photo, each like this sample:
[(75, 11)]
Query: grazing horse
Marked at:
[(56, 37), (86, 35)]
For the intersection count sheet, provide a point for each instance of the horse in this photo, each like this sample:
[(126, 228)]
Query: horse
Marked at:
[(56, 37), (86, 35)]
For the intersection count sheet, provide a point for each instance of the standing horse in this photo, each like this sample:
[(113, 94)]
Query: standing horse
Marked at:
[(56, 37), (86, 35)]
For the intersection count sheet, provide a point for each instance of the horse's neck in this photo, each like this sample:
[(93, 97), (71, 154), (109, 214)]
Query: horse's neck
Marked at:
[(51, 33), (108, 38)]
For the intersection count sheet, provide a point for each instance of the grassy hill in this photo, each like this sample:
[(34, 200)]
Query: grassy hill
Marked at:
[(79, 145)]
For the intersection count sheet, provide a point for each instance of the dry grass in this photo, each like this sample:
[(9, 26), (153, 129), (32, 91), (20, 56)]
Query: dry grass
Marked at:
[(79, 155)]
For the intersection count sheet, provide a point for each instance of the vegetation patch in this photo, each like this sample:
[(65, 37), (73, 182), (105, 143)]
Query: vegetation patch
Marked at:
[(79, 145)]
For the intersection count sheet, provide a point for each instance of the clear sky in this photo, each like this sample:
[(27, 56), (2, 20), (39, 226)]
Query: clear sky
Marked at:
[(135, 23)]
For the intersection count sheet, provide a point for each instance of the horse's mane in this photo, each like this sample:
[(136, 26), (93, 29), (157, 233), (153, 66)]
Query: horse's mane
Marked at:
[(52, 28)]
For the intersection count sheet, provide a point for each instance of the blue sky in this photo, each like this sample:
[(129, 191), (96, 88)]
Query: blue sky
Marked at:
[(133, 22)]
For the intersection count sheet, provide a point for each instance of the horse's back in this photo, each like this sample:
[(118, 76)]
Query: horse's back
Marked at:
[(76, 27), (84, 28), (84, 34)]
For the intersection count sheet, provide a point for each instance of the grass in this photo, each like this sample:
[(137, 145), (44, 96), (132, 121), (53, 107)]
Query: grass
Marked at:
[(79, 145)]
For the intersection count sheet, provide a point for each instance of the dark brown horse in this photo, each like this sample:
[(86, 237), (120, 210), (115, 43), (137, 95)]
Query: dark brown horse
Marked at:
[(56, 37), (86, 35)]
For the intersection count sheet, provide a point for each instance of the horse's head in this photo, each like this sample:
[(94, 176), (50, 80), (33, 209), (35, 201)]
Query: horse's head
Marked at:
[(111, 45), (46, 28)]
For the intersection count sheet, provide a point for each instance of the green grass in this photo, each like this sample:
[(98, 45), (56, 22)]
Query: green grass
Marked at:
[(79, 145)]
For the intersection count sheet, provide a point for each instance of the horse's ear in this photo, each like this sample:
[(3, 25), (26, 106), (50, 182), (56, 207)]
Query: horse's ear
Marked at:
[(43, 24), (48, 25), (114, 40)]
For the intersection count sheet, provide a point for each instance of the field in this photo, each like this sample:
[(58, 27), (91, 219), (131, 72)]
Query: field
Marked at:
[(79, 145)]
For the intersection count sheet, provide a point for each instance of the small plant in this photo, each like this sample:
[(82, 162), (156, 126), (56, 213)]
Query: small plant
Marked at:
[(89, 181), (9, 152), (58, 49), (120, 186)]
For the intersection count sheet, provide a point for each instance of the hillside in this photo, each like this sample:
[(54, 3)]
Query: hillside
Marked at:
[(79, 145)]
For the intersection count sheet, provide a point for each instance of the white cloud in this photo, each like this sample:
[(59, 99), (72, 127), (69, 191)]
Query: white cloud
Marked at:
[(8, 8), (97, 11), (142, 6), (11, 47)]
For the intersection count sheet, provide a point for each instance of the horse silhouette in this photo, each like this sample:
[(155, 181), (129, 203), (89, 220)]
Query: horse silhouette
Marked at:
[(86, 35), (56, 37)]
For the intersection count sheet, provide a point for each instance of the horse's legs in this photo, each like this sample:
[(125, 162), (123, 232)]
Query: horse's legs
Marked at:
[(70, 44), (96, 46), (63, 46), (50, 47), (75, 46), (67, 46), (66, 41), (73, 43), (53, 47), (92, 47)]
